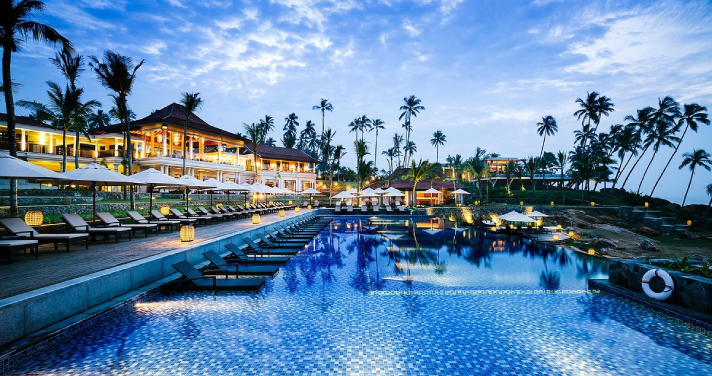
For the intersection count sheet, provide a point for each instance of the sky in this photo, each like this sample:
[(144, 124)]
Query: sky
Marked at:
[(486, 71)]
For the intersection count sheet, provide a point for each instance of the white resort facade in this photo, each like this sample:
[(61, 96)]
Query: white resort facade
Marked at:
[(157, 142)]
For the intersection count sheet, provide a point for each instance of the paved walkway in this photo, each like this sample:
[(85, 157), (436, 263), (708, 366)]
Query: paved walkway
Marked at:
[(26, 274)]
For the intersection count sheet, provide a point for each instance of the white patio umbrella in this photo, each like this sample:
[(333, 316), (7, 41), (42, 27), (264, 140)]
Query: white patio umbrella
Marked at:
[(379, 192), (517, 217), (232, 186), (537, 214), (219, 186), (393, 193), (352, 191), (344, 195), (96, 175), (191, 182), (310, 191), (153, 179), (13, 168), (460, 192), (433, 191)]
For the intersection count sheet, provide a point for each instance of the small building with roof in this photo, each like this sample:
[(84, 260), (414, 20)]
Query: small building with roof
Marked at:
[(439, 181)]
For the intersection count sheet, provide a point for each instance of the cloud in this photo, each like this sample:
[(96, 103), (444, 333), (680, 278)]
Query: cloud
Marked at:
[(154, 48), (77, 17), (412, 30), (176, 3)]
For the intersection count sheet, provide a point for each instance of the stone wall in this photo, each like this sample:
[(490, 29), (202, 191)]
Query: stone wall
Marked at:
[(475, 214), (690, 291)]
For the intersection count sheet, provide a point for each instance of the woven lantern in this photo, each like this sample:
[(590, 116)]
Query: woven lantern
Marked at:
[(558, 227), (281, 213), (219, 205), (689, 222), (165, 209), (593, 203), (521, 203), (552, 203), (187, 233), (556, 237), (34, 218), (571, 234), (591, 251), (255, 219), (646, 204), (290, 202), (308, 207), (296, 209)]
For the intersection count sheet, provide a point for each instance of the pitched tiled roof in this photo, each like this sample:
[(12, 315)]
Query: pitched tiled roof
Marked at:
[(399, 181), (24, 120), (275, 152), (173, 114)]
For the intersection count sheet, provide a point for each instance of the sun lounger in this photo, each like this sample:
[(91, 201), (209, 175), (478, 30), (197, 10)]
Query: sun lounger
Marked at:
[(253, 257), (111, 221), (13, 245), (183, 221), (196, 280), (78, 224), (166, 223), (18, 227), (280, 243), (269, 250), (203, 213), (389, 209), (234, 267), (180, 216)]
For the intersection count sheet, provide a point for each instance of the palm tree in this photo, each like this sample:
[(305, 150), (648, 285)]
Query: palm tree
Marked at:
[(267, 125), (663, 135), (361, 149), (336, 156), (510, 169), (16, 27), (99, 119), (546, 127), (693, 115), (698, 158), (397, 141), (325, 147), (323, 106), (65, 111), (390, 153), (410, 108), (627, 141), (307, 138), (531, 165), (71, 67), (439, 139), (291, 124), (270, 142), (410, 148), (191, 102), (593, 107), (419, 171), (561, 160), (256, 134), (116, 73), (355, 126), (643, 124), (582, 136), (376, 125), (708, 189)]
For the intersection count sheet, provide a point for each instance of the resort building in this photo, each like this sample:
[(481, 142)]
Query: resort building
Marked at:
[(157, 142), (497, 165), (399, 181)]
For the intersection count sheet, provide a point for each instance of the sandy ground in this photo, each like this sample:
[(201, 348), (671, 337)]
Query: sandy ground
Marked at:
[(614, 238)]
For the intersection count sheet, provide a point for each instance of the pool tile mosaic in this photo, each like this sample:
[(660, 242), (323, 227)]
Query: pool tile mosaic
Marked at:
[(326, 313)]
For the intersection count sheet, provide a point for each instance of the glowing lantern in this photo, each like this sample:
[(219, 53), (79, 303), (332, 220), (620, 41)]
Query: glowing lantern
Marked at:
[(571, 234), (552, 203), (187, 233), (558, 227), (593, 203), (308, 207), (494, 229), (511, 226), (591, 251), (34, 218), (165, 209), (281, 213), (689, 222), (296, 210), (290, 202), (556, 237), (219, 205), (270, 202), (646, 204), (255, 219), (521, 203)]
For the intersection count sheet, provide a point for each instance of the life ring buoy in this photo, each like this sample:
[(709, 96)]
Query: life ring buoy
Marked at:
[(669, 284)]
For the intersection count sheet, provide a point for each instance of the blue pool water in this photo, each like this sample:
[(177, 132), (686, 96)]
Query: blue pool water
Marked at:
[(410, 300)]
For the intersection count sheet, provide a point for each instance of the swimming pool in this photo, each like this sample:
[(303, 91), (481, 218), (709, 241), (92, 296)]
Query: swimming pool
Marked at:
[(410, 299)]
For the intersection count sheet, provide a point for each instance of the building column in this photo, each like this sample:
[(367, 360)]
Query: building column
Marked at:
[(51, 143), (191, 146), (219, 151), (116, 147), (96, 149), (165, 139), (23, 144), (201, 146)]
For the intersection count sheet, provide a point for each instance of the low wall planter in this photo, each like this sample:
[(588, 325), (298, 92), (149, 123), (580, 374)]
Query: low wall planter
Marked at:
[(691, 291)]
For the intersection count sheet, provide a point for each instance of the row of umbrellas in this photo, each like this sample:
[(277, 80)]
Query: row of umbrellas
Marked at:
[(96, 175), (514, 216)]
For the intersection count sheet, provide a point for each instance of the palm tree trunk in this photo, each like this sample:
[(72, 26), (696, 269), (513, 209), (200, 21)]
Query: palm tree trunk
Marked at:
[(688, 190), (541, 153), (646, 172), (76, 147), (620, 170), (437, 153), (132, 199), (669, 160), (10, 109), (375, 153), (185, 136), (64, 149), (633, 168)]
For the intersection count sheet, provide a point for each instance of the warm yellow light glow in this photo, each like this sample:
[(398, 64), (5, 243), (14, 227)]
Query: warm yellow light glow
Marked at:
[(511, 226), (571, 234), (646, 204), (308, 207), (281, 213), (556, 237), (34, 218), (187, 233), (255, 219), (219, 205), (165, 209), (521, 203), (296, 210), (290, 202), (591, 251), (493, 229), (689, 222), (348, 187), (528, 210), (558, 227), (593, 203), (552, 203)]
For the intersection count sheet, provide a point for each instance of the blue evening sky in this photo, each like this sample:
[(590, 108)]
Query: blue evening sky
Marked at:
[(486, 71)]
